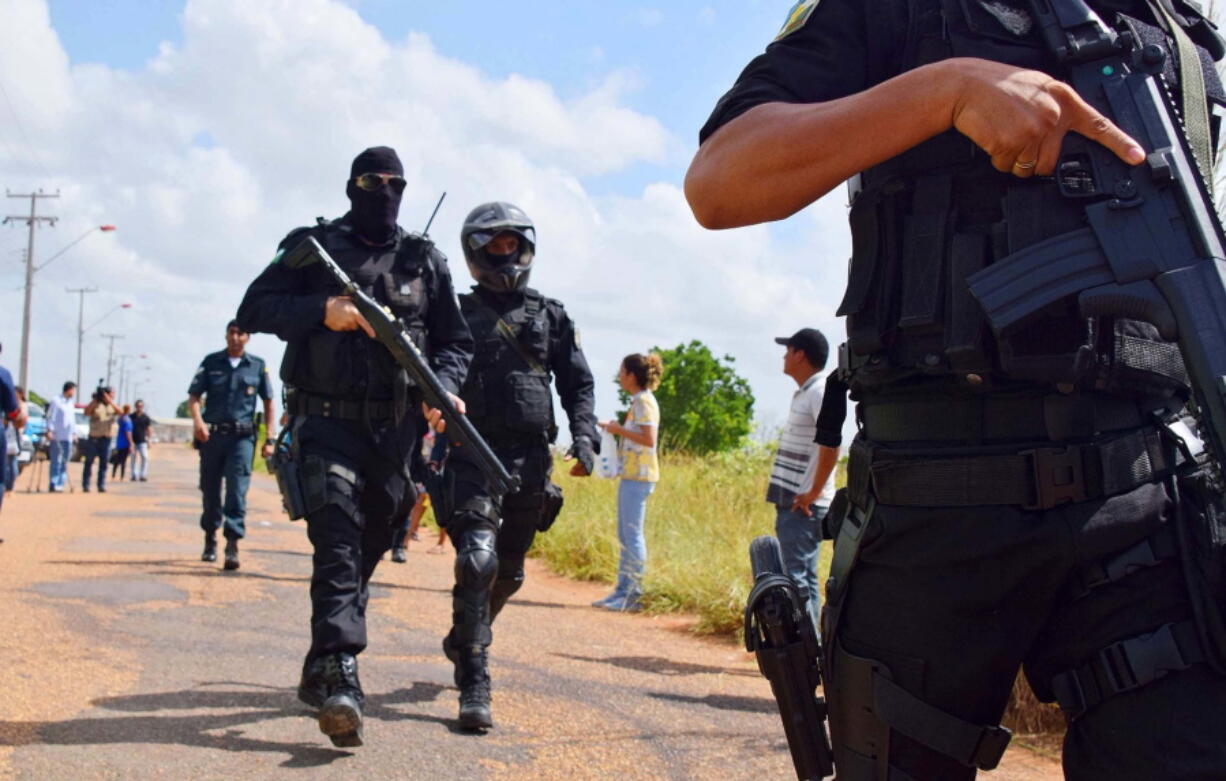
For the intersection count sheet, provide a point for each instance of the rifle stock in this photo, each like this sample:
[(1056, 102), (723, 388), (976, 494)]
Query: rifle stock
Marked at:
[(392, 334)]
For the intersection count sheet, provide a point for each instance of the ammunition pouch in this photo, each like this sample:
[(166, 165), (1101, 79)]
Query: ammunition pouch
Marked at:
[(324, 483), (529, 403)]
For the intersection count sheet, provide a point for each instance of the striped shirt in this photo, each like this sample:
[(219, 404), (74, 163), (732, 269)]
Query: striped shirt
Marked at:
[(796, 460)]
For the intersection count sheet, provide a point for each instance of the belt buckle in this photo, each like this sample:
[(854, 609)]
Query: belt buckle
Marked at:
[(1058, 476)]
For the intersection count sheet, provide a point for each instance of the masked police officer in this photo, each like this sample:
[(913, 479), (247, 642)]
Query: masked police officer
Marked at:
[(1011, 498), (229, 381), (524, 342), (352, 428)]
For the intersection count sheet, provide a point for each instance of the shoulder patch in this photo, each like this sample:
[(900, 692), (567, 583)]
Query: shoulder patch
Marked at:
[(797, 17)]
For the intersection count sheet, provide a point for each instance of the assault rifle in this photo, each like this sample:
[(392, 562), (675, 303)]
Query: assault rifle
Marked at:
[(780, 632), (393, 335), (1153, 246)]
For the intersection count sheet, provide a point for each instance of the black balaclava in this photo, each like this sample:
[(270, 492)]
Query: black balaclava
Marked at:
[(374, 213)]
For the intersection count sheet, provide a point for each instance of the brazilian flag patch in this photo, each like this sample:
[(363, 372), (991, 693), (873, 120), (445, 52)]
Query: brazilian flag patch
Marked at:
[(797, 17)]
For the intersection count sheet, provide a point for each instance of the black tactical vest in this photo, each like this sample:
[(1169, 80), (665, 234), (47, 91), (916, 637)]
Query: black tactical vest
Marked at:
[(924, 221), (348, 364), (508, 391)]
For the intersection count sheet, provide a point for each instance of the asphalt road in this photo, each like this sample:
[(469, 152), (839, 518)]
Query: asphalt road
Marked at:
[(124, 656)]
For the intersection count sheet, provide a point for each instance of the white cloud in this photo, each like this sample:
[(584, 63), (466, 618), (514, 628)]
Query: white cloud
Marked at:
[(649, 17), (286, 106)]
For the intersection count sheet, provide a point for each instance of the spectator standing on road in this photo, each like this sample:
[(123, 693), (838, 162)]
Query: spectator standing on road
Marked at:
[(802, 480), (640, 471), (141, 423), (62, 431), (123, 443), (102, 414), (228, 381), (14, 415)]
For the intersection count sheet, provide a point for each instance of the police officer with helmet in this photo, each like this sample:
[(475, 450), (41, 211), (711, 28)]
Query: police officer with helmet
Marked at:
[(524, 343), (1012, 499), (353, 414), (229, 382)]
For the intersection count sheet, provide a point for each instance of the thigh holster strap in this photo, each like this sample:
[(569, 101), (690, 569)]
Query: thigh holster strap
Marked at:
[(1127, 665), (973, 745), (1147, 553)]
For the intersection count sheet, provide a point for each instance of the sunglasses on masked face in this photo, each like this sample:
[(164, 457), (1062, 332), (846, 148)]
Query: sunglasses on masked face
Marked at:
[(372, 182)]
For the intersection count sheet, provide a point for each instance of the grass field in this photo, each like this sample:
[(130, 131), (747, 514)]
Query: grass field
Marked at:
[(700, 520)]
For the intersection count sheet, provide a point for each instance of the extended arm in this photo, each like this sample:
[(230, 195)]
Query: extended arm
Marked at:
[(777, 158), (450, 341), (576, 386)]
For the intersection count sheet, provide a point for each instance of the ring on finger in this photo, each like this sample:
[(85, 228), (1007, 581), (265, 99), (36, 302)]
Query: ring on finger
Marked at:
[(1024, 166)]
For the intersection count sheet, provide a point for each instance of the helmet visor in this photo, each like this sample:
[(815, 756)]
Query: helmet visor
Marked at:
[(478, 239)]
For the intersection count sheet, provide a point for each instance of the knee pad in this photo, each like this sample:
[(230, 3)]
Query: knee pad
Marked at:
[(476, 561)]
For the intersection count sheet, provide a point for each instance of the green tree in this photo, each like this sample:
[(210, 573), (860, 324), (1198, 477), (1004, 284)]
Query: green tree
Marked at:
[(705, 406), (181, 410)]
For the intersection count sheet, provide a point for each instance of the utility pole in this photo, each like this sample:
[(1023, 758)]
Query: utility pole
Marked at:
[(80, 291), (32, 220), (110, 354)]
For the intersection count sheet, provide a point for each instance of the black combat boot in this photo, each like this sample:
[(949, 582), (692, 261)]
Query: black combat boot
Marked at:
[(398, 555), (474, 689), (231, 554), (340, 716), (210, 548), (313, 685)]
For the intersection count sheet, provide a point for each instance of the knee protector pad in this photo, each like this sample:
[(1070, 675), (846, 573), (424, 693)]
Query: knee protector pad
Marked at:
[(476, 561)]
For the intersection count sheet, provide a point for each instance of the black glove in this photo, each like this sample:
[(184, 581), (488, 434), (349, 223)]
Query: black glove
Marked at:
[(583, 452)]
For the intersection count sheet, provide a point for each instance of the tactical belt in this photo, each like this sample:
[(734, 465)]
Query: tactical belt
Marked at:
[(230, 427), (1035, 479), (306, 404), (1126, 665), (1055, 417)]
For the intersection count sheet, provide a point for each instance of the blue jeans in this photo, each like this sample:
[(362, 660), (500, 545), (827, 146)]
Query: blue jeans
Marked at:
[(10, 473), (140, 460), (631, 513), (60, 452), (800, 537), (100, 448)]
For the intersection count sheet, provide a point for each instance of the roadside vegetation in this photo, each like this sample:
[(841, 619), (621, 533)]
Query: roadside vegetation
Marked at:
[(700, 520)]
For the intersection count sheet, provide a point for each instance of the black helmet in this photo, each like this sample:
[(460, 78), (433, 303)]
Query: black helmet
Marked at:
[(500, 273)]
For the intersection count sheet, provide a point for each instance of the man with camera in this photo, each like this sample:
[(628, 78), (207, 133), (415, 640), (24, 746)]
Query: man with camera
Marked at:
[(102, 413)]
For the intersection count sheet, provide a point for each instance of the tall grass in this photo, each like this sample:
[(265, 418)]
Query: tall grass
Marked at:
[(700, 520)]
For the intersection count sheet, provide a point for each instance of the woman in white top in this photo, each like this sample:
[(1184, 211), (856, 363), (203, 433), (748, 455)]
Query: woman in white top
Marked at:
[(640, 471)]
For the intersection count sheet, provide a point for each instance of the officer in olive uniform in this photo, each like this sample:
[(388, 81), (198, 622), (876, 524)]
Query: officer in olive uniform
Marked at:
[(354, 416), (229, 381), (1011, 499), (524, 343)]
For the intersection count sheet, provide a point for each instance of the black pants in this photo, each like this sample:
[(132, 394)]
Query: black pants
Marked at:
[(520, 519), (953, 600), (366, 488)]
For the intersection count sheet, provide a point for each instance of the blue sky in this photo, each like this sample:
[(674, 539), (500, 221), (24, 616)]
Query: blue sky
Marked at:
[(679, 58), (196, 128)]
